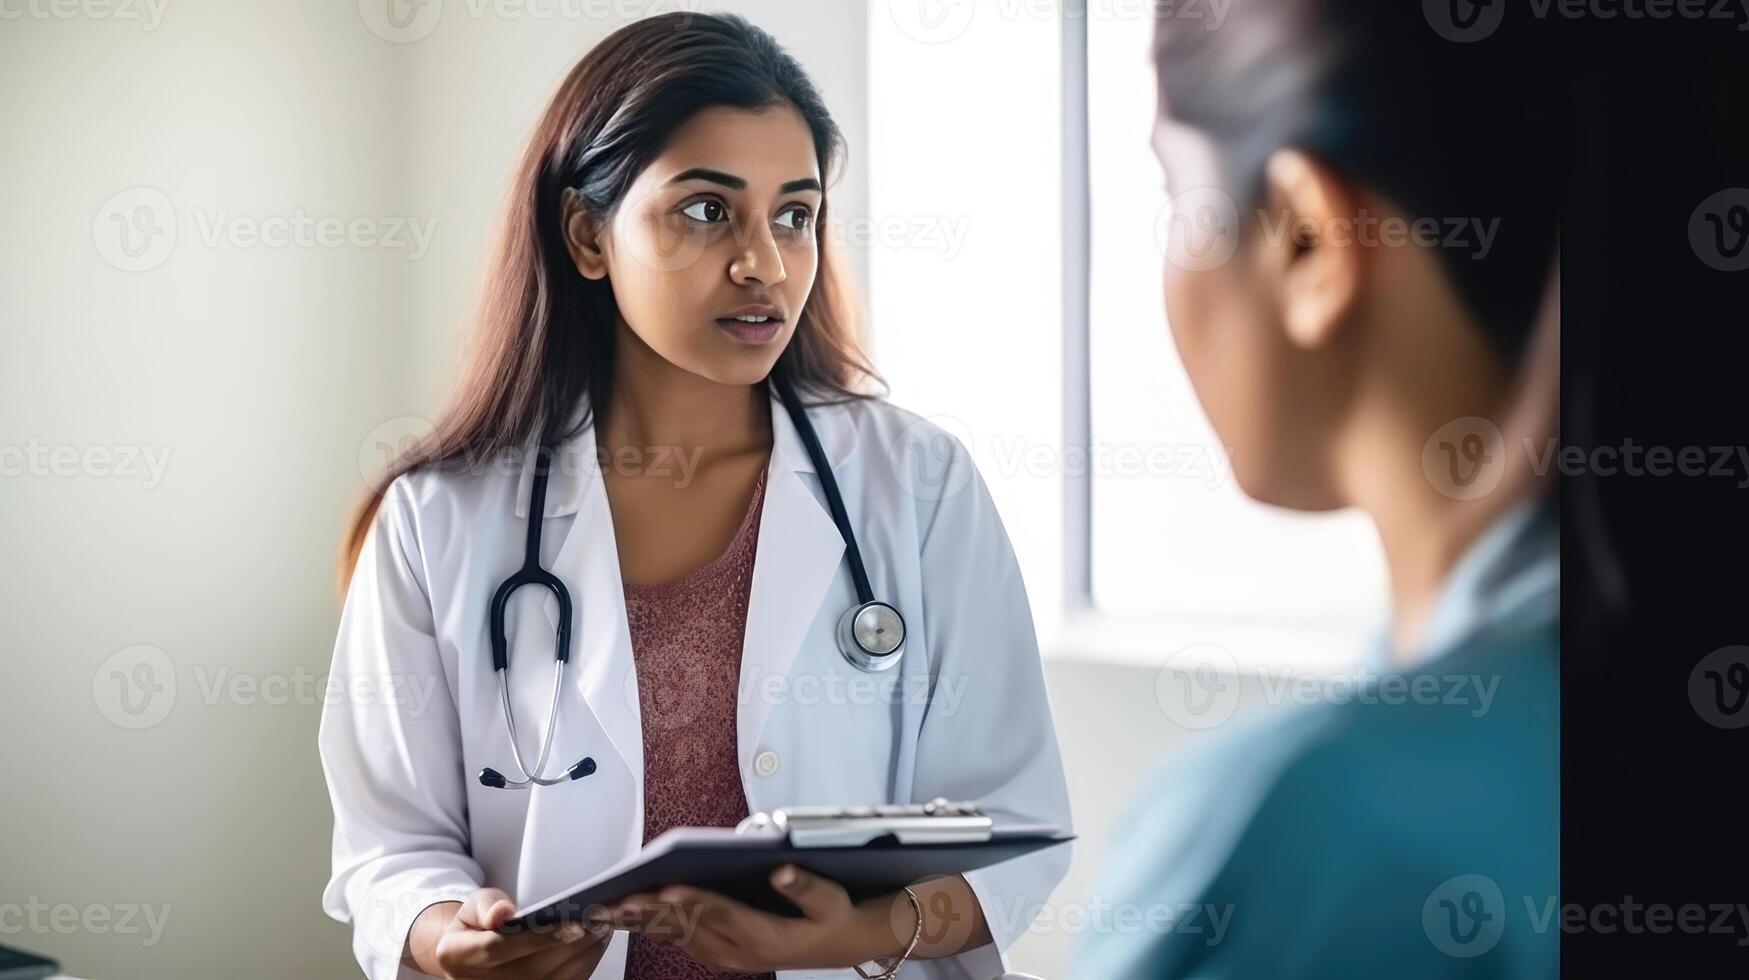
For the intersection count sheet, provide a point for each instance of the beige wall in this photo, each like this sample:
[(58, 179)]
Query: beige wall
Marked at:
[(253, 375), (254, 369)]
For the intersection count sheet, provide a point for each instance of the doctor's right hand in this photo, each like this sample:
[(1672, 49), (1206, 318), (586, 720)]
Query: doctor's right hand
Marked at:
[(460, 939)]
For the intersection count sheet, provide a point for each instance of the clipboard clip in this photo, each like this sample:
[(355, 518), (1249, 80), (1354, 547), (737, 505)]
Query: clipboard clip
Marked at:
[(935, 822)]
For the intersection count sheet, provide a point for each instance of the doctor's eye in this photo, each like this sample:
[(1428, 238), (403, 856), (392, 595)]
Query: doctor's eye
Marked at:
[(708, 211), (798, 218)]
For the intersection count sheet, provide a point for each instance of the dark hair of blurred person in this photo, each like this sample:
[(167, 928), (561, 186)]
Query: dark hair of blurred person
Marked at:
[(1372, 324)]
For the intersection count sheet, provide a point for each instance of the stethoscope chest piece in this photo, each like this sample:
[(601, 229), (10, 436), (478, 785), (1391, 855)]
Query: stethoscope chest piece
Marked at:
[(871, 635)]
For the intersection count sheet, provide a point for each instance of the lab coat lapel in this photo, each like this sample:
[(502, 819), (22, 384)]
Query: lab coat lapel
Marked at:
[(601, 669), (798, 553), (571, 830)]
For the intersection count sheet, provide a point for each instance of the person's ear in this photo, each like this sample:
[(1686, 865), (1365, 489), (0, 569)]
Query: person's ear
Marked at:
[(582, 237), (1318, 266)]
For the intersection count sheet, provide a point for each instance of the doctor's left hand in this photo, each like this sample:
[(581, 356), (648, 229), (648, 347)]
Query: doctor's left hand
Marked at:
[(729, 936), (455, 940)]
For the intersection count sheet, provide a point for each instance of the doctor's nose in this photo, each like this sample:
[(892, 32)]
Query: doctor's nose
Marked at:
[(758, 260)]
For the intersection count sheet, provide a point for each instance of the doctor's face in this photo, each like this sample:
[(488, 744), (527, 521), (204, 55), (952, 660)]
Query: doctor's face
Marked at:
[(712, 252)]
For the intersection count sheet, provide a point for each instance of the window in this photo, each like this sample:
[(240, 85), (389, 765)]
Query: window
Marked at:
[(1037, 333), (1172, 535)]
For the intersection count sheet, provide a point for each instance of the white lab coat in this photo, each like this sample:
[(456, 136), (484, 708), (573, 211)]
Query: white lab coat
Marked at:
[(964, 715)]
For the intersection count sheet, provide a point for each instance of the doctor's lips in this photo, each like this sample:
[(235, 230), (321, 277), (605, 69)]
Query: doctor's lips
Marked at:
[(755, 324)]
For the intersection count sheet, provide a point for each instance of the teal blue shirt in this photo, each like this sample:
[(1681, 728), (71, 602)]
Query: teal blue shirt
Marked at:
[(1395, 834)]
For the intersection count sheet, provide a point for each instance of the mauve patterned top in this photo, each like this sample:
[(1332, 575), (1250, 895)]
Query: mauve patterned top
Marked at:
[(686, 641)]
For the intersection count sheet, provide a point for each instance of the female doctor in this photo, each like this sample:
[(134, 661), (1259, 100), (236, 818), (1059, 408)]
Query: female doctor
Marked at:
[(726, 580)]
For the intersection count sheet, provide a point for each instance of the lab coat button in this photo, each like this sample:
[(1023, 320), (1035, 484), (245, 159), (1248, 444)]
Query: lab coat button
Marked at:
[(765, 763)]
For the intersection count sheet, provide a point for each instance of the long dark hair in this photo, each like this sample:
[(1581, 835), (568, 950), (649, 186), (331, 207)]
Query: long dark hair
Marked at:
[(543, 335)]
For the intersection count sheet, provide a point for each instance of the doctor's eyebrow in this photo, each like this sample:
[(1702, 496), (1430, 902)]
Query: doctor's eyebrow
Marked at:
[(736, 183)]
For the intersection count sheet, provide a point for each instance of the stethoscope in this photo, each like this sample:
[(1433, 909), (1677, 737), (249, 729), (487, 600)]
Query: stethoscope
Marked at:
[(870, 633)]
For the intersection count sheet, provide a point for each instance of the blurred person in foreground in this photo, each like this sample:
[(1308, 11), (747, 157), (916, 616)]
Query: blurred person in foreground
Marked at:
[(1349, 360)]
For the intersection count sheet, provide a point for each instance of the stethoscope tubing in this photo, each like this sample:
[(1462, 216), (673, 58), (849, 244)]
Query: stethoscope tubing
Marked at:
[(531, 573)]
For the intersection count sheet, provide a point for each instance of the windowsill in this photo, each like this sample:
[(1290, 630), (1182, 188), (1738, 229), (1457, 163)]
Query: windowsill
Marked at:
[(1141, 641)]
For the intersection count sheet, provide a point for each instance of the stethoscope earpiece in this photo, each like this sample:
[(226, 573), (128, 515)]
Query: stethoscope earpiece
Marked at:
[(493, 779)]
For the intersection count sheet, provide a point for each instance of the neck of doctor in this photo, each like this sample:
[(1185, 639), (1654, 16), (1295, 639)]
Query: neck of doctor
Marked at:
[(658, 404)]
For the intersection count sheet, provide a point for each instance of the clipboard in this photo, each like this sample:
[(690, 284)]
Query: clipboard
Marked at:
[(869, 850)]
